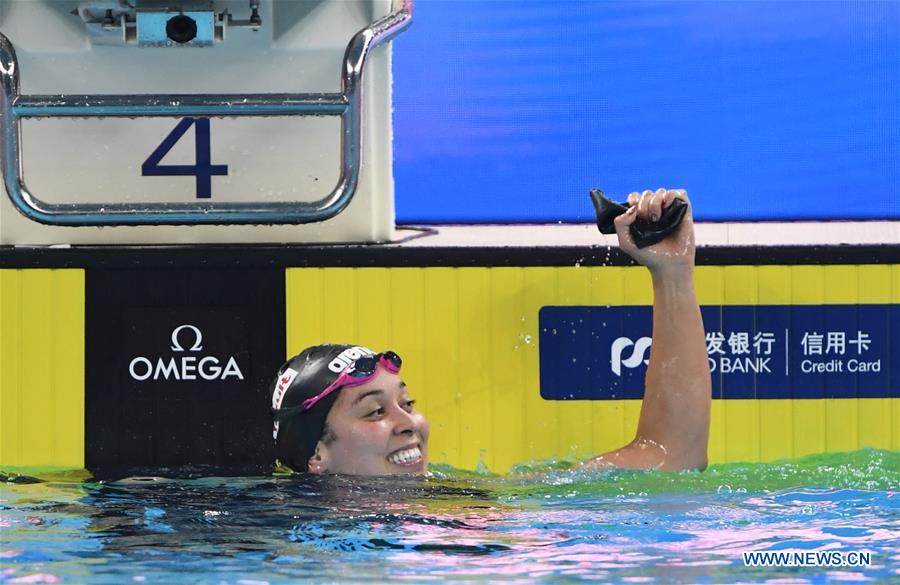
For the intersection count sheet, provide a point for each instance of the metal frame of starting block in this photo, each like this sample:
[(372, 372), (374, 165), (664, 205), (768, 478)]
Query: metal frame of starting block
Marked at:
[(347, 105)]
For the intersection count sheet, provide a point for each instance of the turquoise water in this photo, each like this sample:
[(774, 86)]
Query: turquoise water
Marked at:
[(557, 525)]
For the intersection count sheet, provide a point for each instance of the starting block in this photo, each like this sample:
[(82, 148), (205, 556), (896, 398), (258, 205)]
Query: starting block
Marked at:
[(197, 121)]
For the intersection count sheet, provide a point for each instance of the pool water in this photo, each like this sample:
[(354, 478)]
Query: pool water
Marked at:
[(557, 524)]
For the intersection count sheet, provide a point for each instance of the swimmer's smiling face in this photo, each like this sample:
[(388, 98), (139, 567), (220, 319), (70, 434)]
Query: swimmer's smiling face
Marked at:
[(373, 429)]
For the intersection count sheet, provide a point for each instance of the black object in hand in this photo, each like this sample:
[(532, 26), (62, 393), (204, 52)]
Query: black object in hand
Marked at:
[(645, 233)]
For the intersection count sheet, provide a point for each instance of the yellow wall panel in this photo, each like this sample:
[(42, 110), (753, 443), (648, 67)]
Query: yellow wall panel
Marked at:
[(372, 309), (339, 302), (607, 286), (406, 335), (807, 285), (474, 373), (717, 433), (710, 284), (508, 361), (609, 426), (809, 422), (877, 284), (442, 389), (776, 429), (874, 423), (42, 368), (841, 285), (773, 285), (573, 285), (68, 354), (36, 395), (894, 432), (895, 284), (10, 325), (303, 309), (741, 285), (742, 440), (637, 286), (539, 284), (841, 425)]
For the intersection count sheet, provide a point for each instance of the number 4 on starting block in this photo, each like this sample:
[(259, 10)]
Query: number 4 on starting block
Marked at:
[(202, 169)]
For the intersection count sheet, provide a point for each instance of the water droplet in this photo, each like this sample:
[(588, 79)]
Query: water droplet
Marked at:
[(527, 339)]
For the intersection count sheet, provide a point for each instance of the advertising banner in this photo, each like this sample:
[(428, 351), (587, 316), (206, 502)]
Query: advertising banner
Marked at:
[(754, 351)]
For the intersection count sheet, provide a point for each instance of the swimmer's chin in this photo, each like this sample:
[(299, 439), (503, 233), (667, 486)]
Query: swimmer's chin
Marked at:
[(418, 469)]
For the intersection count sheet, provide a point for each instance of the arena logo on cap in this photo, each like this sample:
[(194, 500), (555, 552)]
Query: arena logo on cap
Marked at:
[(347, 357), (185, 367)]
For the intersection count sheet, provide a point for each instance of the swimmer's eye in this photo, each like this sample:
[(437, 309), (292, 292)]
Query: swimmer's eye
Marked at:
[(406, 405)]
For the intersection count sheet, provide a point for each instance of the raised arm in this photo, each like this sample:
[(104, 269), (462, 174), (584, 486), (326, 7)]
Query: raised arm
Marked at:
[(673, 429)]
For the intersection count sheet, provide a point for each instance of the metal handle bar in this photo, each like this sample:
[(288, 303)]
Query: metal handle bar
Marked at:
[(347, 105)]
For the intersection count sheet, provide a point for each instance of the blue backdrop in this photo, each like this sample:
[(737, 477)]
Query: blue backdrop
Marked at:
[(511, 110)]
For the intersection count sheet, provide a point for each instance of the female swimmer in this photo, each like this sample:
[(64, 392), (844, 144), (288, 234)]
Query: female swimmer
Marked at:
[(344, 409)]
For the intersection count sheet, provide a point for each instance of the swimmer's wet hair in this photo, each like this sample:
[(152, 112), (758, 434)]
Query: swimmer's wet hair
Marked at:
[(301, 377)]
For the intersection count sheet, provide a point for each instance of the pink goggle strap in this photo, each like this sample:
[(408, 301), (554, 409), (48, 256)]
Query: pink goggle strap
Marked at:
[(346, 379)]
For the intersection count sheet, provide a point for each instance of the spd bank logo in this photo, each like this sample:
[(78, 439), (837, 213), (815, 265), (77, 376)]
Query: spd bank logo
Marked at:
[(185, 364), (636, 358)]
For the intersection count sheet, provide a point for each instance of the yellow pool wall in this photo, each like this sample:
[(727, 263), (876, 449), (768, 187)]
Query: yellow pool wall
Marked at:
[(469, 340)]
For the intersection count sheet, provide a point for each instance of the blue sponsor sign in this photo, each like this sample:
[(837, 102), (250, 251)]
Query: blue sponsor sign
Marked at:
[(756, 351)]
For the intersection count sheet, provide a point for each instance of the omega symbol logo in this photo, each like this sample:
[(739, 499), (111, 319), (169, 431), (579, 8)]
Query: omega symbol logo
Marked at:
[(620, 344), (186, 340), (198, 338)]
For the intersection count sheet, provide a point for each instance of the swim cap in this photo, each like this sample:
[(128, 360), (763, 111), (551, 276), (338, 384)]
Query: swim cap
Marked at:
[(297, 431)]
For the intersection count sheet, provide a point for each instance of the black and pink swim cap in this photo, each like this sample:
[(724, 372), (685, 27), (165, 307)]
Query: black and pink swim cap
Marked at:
[(297, 431)]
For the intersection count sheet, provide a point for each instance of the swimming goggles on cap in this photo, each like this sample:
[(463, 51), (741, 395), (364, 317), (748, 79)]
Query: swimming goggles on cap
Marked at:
[(358, 373)]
